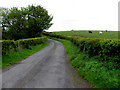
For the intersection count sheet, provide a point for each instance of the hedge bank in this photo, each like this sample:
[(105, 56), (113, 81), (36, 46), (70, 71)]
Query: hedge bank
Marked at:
[(104, 49), (9, 46)]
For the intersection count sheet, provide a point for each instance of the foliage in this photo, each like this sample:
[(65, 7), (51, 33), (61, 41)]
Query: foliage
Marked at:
[(2, 11), (105, 49), (9, 46), (26, 22), (99, 74), (14, 57), (98, 59)]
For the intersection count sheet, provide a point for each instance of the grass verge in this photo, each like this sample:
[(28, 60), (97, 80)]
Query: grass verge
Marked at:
[(99, 74), (15, 57)]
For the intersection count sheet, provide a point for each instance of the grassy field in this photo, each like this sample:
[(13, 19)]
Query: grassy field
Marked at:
[(94, 34), (99, 74)]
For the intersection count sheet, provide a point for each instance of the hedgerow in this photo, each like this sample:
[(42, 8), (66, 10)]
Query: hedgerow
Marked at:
[(9, 46), (104, 49)]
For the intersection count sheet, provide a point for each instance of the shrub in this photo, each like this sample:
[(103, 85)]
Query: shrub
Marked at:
[(105, 49), (9, 46)]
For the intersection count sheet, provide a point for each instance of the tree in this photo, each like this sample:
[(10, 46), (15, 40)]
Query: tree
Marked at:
[(2, 12), (26, 22)]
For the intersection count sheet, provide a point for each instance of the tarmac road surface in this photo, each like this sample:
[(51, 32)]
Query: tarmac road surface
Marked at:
[(48, 68)]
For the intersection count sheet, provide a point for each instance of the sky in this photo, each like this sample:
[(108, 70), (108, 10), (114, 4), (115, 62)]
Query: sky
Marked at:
[(75, 14)]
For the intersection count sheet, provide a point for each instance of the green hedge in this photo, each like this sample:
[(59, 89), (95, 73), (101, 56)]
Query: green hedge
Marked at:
[(9, 46), (104, 49)]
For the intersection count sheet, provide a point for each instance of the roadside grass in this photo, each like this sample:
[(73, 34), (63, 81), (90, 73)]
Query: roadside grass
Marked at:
[(15, 57), (94, 34), (99, 74)]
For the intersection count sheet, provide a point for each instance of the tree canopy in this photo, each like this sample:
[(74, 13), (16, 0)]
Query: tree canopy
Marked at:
[(26, 22)]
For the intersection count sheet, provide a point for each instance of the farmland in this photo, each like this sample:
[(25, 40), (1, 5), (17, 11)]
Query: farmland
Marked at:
[(94, 34)]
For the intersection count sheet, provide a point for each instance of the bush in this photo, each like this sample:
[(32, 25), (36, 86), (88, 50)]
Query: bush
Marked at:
[(9, 46), (99, 74), (104, 49)]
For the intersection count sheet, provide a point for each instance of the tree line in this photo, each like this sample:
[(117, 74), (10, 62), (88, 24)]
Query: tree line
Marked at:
[(21, 23)]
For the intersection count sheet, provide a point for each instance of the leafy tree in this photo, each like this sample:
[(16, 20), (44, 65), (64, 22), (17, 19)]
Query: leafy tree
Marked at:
[(26, 22), (2, 13)]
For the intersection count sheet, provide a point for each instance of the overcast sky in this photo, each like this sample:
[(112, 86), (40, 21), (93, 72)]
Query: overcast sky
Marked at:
[(75, 14)]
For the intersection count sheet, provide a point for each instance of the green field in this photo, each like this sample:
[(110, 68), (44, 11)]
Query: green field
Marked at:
[(94, 34)]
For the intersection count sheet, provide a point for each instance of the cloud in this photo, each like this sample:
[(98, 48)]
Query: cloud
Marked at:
[(76, 14)]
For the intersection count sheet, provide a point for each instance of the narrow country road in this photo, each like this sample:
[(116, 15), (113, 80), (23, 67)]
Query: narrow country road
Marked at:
[(48, 68)]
